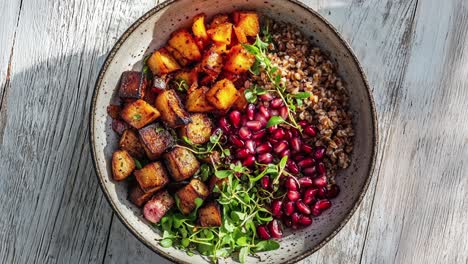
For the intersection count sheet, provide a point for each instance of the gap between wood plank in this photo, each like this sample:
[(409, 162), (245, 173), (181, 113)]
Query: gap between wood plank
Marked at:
[(108, 237)]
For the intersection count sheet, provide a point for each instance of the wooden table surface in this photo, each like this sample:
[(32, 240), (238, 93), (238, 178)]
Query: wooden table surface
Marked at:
[(415, 54)]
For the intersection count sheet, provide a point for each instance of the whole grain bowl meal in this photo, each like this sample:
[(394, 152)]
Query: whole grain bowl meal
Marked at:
[(233, 131)]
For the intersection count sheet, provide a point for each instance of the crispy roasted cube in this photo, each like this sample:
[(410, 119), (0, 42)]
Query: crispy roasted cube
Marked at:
[(181, 163), (197, 103), (222, 95), (189, 76), (240, 35), (122, 165), (239, 60), (248, 22), (187, 195), (114, 111), (209, 215), (198, 27), (215, 181), (132, 85), (131, 143), (218, 20), (138, 196), (155, 140), (139, 113), (241, 103), (172, 110), (178, 56), (214, 157), (161, 62), (221, 33), (158, 206), (152, 177), (212, 62), (199, 130), (183, 42)]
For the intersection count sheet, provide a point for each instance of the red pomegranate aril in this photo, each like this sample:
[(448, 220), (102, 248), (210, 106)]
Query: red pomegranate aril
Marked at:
[(244, 133), (307, 149), (267, 97), (288, 208), (286, 152), (276, 206), (275, 229), (264, 148), (283, 112), (259, 134), (322, 192), (298, 158), (320, 181), (263, 232), (294, 132), (305, 163), (305, 182), (272, 129), (254, 125), (224, 124), (288, 135), (274, 112), (249, 161), (242, 153), (310, 131), (310, 171), (281, 146), (333, 191), (296, 144), (321, 168), (236, 141), (235, 117), (293, 195), (261, 119), (276, 103), (305, 220), (250, 111), (265, 181), (264, 111), (244, 120), (309, 195), (292, 167), (279, 133), (303, 123), (319, 153), (316, 211), (323, 204), (291, 184), (250, 145), (273, 141), (265, 158), (302, 207), (295, 217)]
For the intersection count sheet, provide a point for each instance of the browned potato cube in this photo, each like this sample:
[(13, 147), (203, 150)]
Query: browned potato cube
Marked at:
[(218, 20), (198, 27), (181, 163), (131, 143), (172, 111), (240, 35), (212, 62), (183, 42), (189, 77), (187, 195), (161, 62), (222, 95), (156, 140), (197, 103), (158, 206), (241, 103), (199, 130), (152, 177), (122, 165), (139, 113), (132, 85), (178, 56), (209, 215), (239, 60), (221, 33), (248, 22)]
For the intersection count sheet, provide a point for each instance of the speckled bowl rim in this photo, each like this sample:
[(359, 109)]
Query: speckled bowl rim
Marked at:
[(99, 174)]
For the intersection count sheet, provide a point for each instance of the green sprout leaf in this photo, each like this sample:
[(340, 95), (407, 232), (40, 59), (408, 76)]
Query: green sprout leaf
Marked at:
[(275, 120), (302, 95), (166, 243), (266, 245), (137, 164), (243, 254)]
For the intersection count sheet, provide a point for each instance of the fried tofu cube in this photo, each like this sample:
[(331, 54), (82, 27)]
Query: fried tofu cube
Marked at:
[(181, 163), (138, 196), (212, 63), (218, 20), (209, 215), (241, 103), (158, 206), (221, 33), (197, 103), (152, 177), (132, 85), (131, 143), (240, 35), (183, 42), (198, 27), (139, 113), (239, 60), (187, 195), (172, 110), (162, 62), (222, 95), (155, 140), (248, 22), (122, 165), (199, 130)]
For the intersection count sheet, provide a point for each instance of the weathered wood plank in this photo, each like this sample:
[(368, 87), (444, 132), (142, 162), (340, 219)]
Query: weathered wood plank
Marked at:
[(421, 210)]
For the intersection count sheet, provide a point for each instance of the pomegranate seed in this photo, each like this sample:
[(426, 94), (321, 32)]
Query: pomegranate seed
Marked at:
[(263, 233), (265, 182), (276, 208), (254, 125), (292, 167), (316, 211), (291, 184), (288, 208), (296, 144), (236, 141), (298, 158), (250, 145), (275, 229), (264, 112), (293, 195), (323, 204), (302, 207), (294, 132), (287, 221), (307, 149), (244, 133), (320, 181), (259, 134), (281, 146), (273, 141), (244, 120), (267, 97), (276, 103), (242, 154), (249, 161), (309, 195), (303, 123), (272, 129), (305, 182), (307, 162), (235, 117), (305, 220), (321, 168), (310, 131), (283, 112), (319, 153), (279, 133), (265, 158), (286, 152), (224, 124), (310, 171), (274, 112), (264, 148), (295, 218), (288, 135), (250, 111), (322, 192), (261, 119), (333, 191)]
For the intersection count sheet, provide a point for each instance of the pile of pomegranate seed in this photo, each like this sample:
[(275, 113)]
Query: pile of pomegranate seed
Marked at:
[(308, 193)]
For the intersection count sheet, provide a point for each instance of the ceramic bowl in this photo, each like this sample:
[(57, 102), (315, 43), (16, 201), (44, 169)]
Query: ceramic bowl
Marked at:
[(150, 32)]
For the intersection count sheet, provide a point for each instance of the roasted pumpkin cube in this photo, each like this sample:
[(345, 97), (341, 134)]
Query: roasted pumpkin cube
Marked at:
[(122, 165), (221, 33), (212, 62), (199, 130), (186, 196), (209, 215), (181, 163), (161, 62), (179, 57), (183, 42), (139, 113), (240, 35), (248, 22), (197, 103), (155, 140), (172, 110), (198, 27), (152, 177), (132, 85), (138, 196), (241, 103), (222, 95), (131, 143), (239, 60), (158, 206), (189, 77), (218, 20)]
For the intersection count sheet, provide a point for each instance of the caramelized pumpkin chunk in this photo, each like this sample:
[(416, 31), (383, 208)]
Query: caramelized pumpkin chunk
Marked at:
[(222, 95), (161, 62), (139, 113), (186, 196), (152, 177), (239, 60), (199, 130), (172, 110), (122, 165), (197, 102), (221, 33), (131, 143), (132, 85), (209, 215), (183, 42), (181, 163), (156, 140), (138, 196), (198, 27), (248, 22)]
